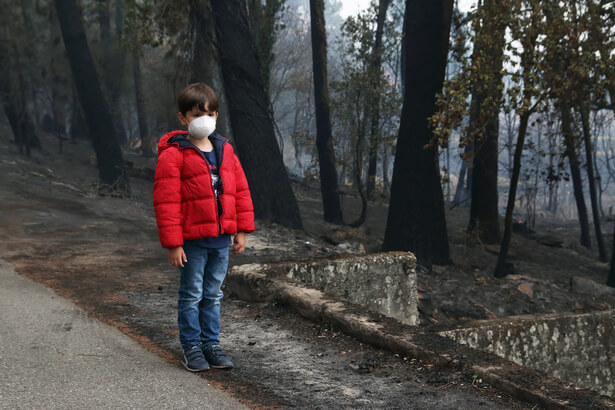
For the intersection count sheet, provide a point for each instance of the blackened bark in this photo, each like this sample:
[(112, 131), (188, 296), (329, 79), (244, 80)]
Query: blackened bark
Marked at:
[(11, 115), (113, 60), (332, 207), (58, 90), (416, 219), (611, 278), (146, 149), (484, 216), (500, 269), (375, 66), (575, 172), (78, 127), (251, 118), (592, 182), (97, 115), (19, 119), (358, 171), (203, 34), (489, 54)]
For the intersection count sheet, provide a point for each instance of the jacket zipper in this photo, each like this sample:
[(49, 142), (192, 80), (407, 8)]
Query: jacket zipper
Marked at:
[(216, 199)]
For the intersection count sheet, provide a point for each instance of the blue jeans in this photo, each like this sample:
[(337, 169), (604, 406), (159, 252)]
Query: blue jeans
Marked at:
[(198, 304)]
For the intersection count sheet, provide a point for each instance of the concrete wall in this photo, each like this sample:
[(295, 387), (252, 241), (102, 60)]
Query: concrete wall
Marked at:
[(576, 348)]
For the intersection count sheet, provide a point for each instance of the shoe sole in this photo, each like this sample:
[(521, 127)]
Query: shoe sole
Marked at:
[(194, 370), (222, 367)]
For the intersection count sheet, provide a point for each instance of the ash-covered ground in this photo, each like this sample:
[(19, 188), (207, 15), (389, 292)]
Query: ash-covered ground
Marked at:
[(103, 254)]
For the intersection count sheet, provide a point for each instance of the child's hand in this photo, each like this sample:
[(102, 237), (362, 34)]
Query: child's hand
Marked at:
[(177, 257), (239, 243)]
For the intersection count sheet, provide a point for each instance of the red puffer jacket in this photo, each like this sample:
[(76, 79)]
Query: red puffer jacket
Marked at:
[(184, 198)]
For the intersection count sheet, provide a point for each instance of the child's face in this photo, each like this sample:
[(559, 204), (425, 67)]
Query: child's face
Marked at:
[(194, 113)]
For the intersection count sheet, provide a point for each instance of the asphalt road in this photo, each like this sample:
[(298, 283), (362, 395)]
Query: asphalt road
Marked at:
[(52, 355)]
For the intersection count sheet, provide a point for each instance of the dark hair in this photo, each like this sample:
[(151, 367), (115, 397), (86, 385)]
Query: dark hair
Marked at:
[(197, 95)]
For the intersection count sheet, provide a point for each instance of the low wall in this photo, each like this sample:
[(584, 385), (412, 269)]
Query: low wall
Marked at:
[(382, 282), (576, 348)]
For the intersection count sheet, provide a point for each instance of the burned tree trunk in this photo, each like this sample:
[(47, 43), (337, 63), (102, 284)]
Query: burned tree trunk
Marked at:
[(375, 65), (416, 219), (251, 117), (203, 32), (112, 174), (332, 207), (146, 149), (488, 55), (592, 182), (611, 279), (500, 269), (575, 172)]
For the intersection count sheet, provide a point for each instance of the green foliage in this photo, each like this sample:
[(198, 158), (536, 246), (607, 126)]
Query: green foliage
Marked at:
[(554, 51), (358, 87)]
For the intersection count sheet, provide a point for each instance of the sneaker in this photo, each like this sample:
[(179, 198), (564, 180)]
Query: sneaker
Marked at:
[(194, 360), (217, 358)]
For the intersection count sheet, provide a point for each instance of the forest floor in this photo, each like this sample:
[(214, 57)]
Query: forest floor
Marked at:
[(103, 254)]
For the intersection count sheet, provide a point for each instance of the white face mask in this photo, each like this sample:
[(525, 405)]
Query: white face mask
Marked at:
[(202, 127)]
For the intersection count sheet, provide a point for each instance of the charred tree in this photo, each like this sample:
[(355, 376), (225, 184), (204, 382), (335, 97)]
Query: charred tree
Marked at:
[(358, 170), (146, 149), (114, 57), (12, 93), (204, 62), (500, 269), (203, 35), (78, 127), (375, 68), (575, 172), (592, 182), (251, 117), (611, 279), (111, 169), (332, 207), (416, 220), (263, 24), (484, 121)]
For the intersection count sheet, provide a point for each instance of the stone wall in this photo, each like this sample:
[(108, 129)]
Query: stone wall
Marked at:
[(576, 348), (383, 282)]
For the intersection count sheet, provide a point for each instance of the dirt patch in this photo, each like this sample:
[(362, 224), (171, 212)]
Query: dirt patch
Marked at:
[(103, 253)]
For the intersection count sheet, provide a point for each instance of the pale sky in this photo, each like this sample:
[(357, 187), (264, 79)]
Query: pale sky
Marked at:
[(352, 7)]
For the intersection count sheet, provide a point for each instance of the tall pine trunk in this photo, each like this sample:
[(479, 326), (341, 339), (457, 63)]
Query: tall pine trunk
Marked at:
[(114, 57), (203, 32), (611, 277), (375, 67), (500, 269), (592, 182), (251, 117), (488, 55), (146, 148), (575, 172), (332, 207), (111, 169), (416, 220)]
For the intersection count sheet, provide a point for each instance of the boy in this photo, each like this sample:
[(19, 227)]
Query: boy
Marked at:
[(201, 197)]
